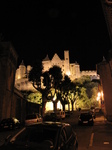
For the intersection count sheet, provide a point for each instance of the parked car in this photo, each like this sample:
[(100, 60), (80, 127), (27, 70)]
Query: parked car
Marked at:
[(97, 109), (50, 116), (33, 118), (43, 136), (60, 114), (9, 123), (86, 118), (67, 113), (93, 112)]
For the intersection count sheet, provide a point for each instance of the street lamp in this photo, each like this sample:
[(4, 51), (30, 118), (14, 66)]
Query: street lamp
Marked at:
[(100, 97)]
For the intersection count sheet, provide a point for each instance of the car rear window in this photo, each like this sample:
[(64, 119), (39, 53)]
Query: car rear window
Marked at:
[(86, 115), (37, 135)]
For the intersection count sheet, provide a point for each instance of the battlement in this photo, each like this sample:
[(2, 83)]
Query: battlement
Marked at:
[(89, 72), (92, 73)]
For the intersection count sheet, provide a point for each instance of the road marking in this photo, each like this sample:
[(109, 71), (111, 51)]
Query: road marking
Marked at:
[(91, 139)]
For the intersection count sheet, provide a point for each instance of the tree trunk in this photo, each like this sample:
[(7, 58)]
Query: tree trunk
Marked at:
[(72, 106), (43, 105), (55, 105), (68, 106), (63, 107)]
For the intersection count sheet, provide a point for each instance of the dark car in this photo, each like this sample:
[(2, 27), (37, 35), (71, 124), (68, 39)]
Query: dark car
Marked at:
[(43, 136), (67, 113), (50, 116), (93, 112), (9, 123), (86, 118)]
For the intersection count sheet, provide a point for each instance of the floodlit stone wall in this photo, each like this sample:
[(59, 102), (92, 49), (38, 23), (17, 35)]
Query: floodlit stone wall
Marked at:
[(105, 71)]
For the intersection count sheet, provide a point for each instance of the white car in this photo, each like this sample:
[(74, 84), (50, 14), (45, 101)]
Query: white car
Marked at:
[(33, 118)]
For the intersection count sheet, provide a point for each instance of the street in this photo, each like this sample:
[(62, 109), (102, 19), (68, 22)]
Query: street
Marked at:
[(96, 137)]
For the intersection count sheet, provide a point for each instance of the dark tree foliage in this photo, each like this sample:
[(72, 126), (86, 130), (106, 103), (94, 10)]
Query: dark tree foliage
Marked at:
[(56, 76), (36, 73), (46, 79), (66, 83)]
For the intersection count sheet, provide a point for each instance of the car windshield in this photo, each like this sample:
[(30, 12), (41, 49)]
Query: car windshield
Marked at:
[(86, 115), (36, 134)]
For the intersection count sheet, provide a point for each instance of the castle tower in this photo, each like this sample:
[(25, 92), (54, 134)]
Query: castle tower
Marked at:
[(8, 64), (21, 72), (66, 62)]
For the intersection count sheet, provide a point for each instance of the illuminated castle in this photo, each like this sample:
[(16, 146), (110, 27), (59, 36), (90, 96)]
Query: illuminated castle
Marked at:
[(70, 69)]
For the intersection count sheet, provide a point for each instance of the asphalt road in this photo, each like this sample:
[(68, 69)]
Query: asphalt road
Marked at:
[(96, 137)]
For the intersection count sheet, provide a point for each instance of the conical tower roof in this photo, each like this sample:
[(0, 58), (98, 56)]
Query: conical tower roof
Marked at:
[(22, 63), (46, 58)]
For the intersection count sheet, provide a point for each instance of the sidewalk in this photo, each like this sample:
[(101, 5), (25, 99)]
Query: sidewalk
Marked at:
[(101, 118)]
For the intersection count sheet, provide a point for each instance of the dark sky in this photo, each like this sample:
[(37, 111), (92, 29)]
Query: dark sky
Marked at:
[(40, 27)]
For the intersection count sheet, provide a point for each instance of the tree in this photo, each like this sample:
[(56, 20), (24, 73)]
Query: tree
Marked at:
[(68, 92), (88, 92), (49, 79), (64, 89), (73, 93), (56, 77), (35, 97), (35, 75)]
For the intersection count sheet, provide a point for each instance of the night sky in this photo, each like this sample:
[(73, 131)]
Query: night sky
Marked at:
[(40, 27)]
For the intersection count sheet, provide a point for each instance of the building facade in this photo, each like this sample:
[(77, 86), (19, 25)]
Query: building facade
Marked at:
[(104, 68), (12, 102)]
